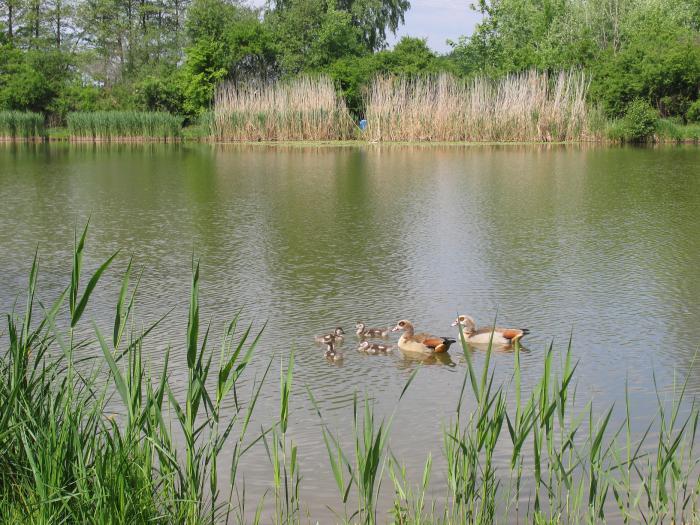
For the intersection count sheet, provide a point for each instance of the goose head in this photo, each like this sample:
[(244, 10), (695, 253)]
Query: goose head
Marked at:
[(338, 331), (467, 322), (403, 325)]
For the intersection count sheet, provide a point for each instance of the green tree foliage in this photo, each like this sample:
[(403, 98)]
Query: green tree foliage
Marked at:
[(660, 65), (30, 80), (648, 49), (410, 56), (371, 18), (227, 41), (312, 34)]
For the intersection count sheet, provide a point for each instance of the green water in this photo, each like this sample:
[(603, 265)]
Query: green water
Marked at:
[(603, 243)]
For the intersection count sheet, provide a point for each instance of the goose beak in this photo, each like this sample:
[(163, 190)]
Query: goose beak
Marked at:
[(396, 328), (455, 323)]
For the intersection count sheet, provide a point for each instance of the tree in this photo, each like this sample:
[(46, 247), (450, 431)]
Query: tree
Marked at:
[(371, 18), (661, 67), (227, 41)]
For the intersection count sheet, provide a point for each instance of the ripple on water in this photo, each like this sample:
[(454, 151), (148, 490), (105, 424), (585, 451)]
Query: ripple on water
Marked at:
[(601, 243)]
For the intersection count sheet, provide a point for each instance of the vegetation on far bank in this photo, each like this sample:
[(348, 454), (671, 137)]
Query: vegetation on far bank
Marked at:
[(170, 56), (91, 432)]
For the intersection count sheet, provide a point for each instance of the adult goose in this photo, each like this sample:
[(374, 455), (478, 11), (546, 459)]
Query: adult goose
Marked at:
[(501, 336), (420, 343)]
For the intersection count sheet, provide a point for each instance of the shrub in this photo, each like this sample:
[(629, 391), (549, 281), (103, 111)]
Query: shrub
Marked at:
[(693, 113), (640, 121)]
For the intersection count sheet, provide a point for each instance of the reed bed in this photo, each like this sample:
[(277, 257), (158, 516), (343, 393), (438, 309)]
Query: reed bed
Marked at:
[(531, 106), (24, 125), (304, 108), (124, 126), (135, 449)]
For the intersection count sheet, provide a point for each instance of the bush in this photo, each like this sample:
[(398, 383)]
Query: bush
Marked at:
[(693, 113), (640, 121), (157, 94)]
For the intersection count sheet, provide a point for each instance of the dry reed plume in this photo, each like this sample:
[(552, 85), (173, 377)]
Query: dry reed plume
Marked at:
[(531, 106), (305, 108)]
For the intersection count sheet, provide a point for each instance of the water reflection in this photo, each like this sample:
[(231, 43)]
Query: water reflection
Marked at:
[(599, 242)]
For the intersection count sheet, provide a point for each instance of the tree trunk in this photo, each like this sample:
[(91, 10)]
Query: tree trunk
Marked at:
[(9, 19), (58, 24)]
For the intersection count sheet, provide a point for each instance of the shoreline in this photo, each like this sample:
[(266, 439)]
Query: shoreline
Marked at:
[(335, 143)]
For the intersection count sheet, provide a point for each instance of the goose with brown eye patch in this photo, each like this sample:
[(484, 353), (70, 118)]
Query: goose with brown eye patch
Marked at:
[(496, 336), (336, 336), (362, 331), (421, 343)]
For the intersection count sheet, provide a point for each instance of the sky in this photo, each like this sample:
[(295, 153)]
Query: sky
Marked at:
[(436, 20)]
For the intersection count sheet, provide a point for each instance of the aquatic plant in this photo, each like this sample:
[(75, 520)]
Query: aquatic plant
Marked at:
[(123, 125), (21, 125), (92, 432), (530, 106), (78, 449), (303, 108)]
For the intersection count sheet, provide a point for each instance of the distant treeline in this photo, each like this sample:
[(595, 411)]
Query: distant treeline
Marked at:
[(62, 56)]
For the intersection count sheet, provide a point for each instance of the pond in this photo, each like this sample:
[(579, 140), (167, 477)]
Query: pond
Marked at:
[(601, 244)]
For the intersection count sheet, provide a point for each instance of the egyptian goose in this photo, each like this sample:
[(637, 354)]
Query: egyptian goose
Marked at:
[(336, 335), (374, 348), (332, 354), (501, 336), (363, 331), (420, 343)]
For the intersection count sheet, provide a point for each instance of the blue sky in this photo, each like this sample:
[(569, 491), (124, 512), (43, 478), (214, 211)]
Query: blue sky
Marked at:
[(436, 20)]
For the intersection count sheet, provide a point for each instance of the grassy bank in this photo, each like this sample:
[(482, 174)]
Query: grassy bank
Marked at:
[(124, 126), (136, 449), (23, 125)]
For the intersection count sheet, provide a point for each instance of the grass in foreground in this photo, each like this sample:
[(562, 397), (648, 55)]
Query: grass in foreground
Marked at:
[(66, 458), (124, 125), (21, 125)]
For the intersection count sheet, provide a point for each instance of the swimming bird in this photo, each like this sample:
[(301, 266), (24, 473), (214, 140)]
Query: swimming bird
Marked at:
[(501, 336), (336, 336), (363, 331), (332, 354), (374, 348), (420, 343)]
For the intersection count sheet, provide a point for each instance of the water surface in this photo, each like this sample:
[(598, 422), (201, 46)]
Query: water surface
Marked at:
[(601, 243)]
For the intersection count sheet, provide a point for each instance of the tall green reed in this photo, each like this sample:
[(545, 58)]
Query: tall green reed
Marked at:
[(366, 470), (124, 125), (77, 448), (21, 125)]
